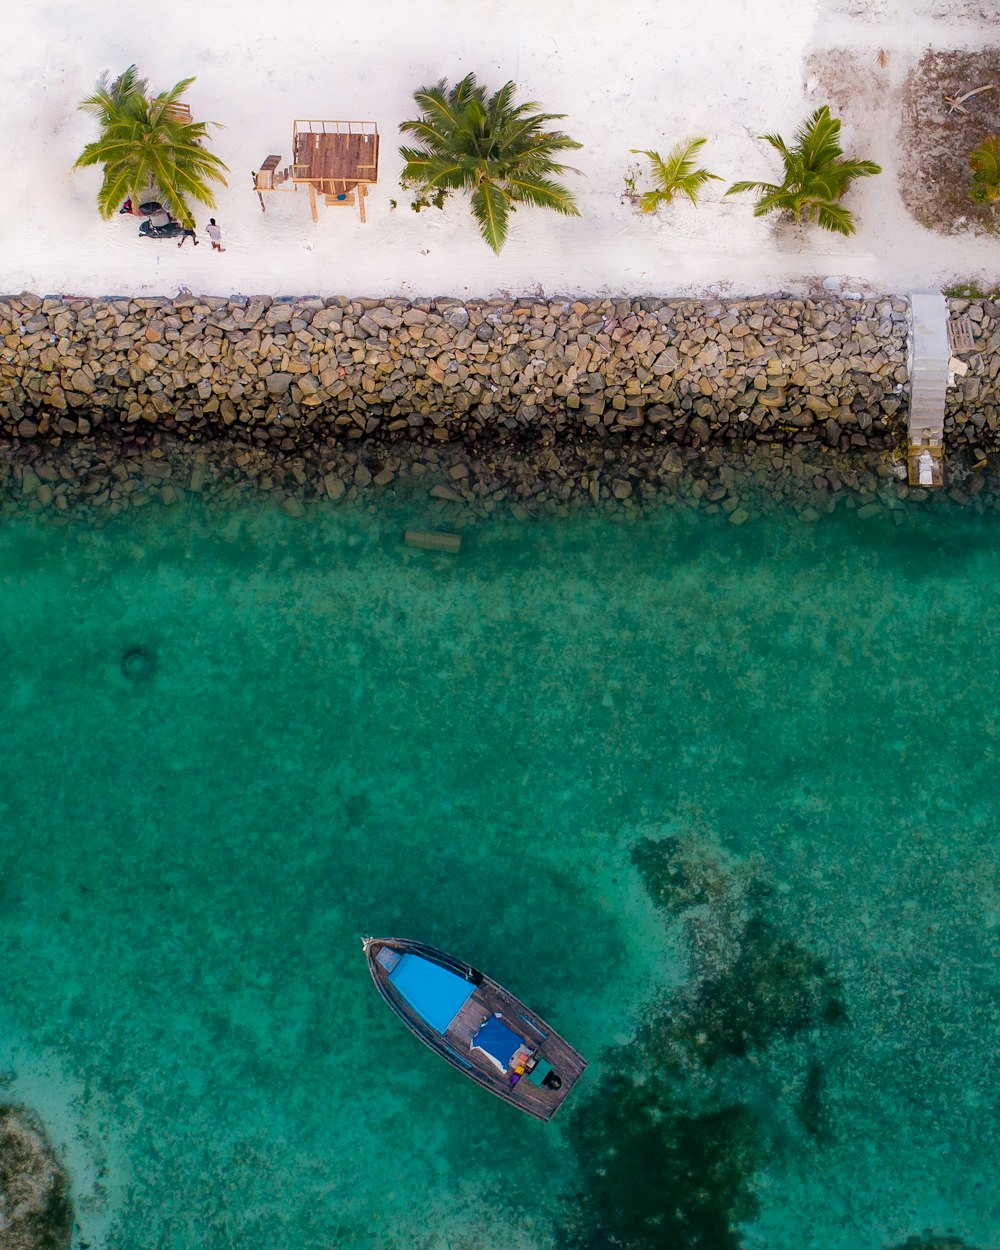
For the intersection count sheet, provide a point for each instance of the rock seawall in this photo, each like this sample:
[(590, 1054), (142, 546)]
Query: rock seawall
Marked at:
[(294, 373), (972, 413)]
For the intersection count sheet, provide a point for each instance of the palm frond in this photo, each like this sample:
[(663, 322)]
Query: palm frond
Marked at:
[(490, 209), (835, 217), (772, 198), (433, 136), (501, 107), (858, 169), (739, 187), (435, 171), (116, 98), (776, 142), (543, 193), (436, 104), (119, 183)]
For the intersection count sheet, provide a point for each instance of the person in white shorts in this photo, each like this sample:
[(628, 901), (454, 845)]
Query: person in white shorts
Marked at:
[(215, 234)]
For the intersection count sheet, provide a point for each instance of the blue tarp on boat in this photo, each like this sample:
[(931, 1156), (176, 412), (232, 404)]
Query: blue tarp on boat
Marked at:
[(497, 1041), (432, 991)]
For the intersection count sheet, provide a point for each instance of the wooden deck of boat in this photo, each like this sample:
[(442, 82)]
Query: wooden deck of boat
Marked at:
[(455, 1044)]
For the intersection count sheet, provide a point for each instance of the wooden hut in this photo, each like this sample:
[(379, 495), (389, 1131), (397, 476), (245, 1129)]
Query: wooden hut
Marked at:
[(335, 159)]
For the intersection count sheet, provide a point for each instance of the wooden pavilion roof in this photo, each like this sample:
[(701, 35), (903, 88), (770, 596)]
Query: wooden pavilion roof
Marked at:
[(335, 156)]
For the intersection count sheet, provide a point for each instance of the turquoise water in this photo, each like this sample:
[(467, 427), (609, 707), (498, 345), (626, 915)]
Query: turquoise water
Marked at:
[(601, 760)]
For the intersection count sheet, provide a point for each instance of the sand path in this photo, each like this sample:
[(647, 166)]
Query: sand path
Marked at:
[(639, 76)]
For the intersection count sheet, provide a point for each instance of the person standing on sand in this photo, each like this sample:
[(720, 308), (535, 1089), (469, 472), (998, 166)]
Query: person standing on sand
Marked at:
[(188, 233), (215, 234)]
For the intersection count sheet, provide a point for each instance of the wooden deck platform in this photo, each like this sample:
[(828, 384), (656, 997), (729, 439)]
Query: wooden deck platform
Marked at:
[(925, 465)]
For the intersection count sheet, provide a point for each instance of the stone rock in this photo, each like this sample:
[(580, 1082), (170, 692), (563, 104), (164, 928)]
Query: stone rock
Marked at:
[(292, 506), (278, 383), (385, 318), (445, 492), (457, 318), (327, 317), (278, 314), (334, 486)]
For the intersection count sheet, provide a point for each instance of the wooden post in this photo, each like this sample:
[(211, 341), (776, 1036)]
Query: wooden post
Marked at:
[(433, 540), (312, 201), (362, 192)]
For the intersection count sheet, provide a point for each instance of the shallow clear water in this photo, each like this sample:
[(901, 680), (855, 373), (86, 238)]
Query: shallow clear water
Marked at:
[(345, 737)]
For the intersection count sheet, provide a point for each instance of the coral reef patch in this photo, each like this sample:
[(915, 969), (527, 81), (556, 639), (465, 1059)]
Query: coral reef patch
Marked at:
[(35, 1208)]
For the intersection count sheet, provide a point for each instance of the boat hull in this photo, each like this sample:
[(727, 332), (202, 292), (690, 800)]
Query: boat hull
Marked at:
[(453, 1042)]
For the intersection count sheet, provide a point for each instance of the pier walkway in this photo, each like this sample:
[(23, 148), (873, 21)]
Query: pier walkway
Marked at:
[(930, 353)]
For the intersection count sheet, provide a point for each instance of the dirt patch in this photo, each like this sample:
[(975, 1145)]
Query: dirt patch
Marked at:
[(852, 83), (940, 10), (934, 142), (960, 10)]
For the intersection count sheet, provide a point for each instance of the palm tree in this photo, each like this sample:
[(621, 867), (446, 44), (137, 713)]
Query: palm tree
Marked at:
[(145, 143), (984, 162), (500, 152), (816, 176), (676, 173)]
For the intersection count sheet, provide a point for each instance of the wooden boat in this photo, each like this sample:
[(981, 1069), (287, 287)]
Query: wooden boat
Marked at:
[(474, 1023)]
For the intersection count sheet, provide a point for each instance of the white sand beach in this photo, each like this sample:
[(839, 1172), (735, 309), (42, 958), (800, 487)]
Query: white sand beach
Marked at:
[(639, 75)]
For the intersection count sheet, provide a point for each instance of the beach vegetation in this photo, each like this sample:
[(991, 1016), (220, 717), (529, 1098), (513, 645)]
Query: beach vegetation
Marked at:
[(631, 178), (972, 288), (817, 176), (502, 154), (675, 175), (984, 161), (147, 142)]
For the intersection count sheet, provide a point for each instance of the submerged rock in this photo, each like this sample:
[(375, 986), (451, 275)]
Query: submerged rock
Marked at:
[(753, 981), (658, 1175), (933, 1241), (35, 1208), (138, 664)]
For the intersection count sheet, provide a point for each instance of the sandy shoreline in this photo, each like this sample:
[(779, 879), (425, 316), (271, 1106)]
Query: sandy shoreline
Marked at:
[(644, 75)]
